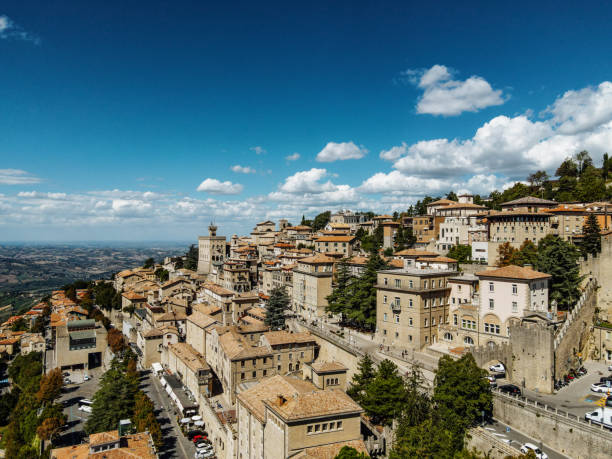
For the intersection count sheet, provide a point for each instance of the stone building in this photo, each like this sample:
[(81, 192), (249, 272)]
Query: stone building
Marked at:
[(312, 284), (211, 251), (79, 344)]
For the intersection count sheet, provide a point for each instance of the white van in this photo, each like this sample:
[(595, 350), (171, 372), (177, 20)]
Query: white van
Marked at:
[(601, 416)]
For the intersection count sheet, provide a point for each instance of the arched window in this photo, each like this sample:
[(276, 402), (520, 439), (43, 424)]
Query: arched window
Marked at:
[(491, 344), (290, 367), (448, 336), (468, 340)]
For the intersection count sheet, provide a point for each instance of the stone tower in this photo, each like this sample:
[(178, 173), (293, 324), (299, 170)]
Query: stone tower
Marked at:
[(211, 250)]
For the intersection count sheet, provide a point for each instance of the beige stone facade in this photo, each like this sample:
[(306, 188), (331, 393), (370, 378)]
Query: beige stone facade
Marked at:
[(518, 226), (312, 284), (79, 344)]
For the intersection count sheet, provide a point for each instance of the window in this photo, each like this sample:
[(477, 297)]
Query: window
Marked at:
[(468, 340), (241, 375), (385, 317), (454, 319), (410, 338), (278, 368), (397, 301), (410, 321), (514, 289), (385, 299), (491, 303), (384, 332), (309, 429), (317, 427), (396, 318), (265, 372), (254, 362), (425, 284), (411, 284), (324, 427), (427, 339), (384, 281), (491, 287), (339, 425), (439, 282), (459, 288), (332, 425), (433, 321), (426, 322), (396, 334), (514, 306), (242, 363), (254, 374), (278, 357), (410, 302), (290, 356), (398, 283), (453, 300), (302, 354)]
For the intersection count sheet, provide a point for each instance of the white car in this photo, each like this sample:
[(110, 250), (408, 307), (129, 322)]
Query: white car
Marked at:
[(203, 454), (86, 378), (85, 408), (539, 454), (600, 387), (498, 367)]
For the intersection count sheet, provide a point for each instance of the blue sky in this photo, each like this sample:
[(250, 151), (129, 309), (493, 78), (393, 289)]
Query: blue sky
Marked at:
[(113, 115)]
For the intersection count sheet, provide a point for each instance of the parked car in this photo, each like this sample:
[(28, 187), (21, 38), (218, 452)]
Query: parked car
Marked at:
[(492, 381), (192, 433), (603, 379), (86, 378), (204, 454), (600, 387), (510, 389), (67, 381), (198, 438), (600, 416), (203, 444), (498, 368), (539, 454), (65, 373), (85, 408)]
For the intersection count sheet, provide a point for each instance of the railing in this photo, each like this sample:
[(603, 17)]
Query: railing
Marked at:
[(571, 315), (553, 412)]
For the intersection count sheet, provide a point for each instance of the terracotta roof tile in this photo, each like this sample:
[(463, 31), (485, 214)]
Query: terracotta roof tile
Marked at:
[(514, 272)]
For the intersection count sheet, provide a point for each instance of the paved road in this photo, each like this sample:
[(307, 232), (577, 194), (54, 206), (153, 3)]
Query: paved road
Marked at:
[(517, 439), (176, 445)]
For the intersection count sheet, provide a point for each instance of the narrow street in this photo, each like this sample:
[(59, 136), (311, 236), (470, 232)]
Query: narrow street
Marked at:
[(176, 445)]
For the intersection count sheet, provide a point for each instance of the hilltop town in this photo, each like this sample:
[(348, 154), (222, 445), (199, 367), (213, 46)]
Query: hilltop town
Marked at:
[(350, 335)]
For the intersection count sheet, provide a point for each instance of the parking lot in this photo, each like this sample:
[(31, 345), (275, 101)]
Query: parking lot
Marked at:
[(73, 433)]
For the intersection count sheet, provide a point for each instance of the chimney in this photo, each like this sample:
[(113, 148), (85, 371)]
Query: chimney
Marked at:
[(281, 400)]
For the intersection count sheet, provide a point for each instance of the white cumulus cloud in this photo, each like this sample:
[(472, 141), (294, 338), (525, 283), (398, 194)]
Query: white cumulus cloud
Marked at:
[(444, 96), (214, 186), (340, 151), (293, 157)]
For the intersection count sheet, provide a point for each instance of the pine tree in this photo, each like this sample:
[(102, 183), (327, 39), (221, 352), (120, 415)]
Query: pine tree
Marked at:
[(275, 312), (361, 380), (362, 302), (337, 301), (592, 236), (560, 259), (385, 396)]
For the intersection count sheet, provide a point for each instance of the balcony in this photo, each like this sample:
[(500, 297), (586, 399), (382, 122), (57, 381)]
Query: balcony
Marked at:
[(396, 306)]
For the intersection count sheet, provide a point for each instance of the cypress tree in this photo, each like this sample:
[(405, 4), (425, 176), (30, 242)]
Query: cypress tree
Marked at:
[(592, 236), (275, 312)]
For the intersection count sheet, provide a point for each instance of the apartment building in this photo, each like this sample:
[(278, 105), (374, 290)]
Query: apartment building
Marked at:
[(197, 325), (517, 226), (284, 417), (190, 366), (410, 304), (567, 221), (326, 375), (335, 244), (312, 284), (346, 217), (291, 350), (110, 445), (456, 230), (389, 233), (484, 305), (424, 227)]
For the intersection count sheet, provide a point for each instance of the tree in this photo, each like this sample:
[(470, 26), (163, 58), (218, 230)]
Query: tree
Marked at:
[(275, 312), (149, 263), (568, 168), (560, 259), (591, 244), (527, 254), (590, 187), (337, 300), (385, 396), (191, 258), (144, 419), (50, 386), (350, 453), (362, 302), (362, 379), (537, 179), (50, 427), (605, 167), (461, 394), (583, 160), (452, 196), (420, 207), (321, 220), (162, 274), (461, 253), (505, 254), (20, 325), (39, 325), (429, 439), (115, 340)]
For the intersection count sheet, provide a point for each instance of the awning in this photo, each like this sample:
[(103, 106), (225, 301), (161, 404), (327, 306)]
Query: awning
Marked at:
[(199, 423), (196, 418), (185, 421)]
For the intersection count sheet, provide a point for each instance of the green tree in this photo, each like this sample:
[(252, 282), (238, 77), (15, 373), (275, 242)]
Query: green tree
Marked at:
[(568, 168), (605, 167), (583, 160), (566, 191), (144, 418), (461, 253), (191, 258), (430, 439), (505, 254), (527, 254), (362, 378), (461, 394), (20, 325), (337, 300), (560, 259), (321, 220), (350, 453), (537, 179), (162, 274), (385, 396), (591, 186), (452, 196), (362, 303), (149, 263), (277, 305), (592, 236)]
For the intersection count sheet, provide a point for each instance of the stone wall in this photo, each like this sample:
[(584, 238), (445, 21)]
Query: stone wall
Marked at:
[(533, 356), (493, 447), (600, 267), (564, 433)]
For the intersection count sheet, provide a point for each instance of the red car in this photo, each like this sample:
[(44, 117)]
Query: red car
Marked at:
[(199, 438)]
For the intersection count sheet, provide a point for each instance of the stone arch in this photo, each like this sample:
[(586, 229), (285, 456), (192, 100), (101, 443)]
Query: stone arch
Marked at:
[(448, 336), (468, 340)]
